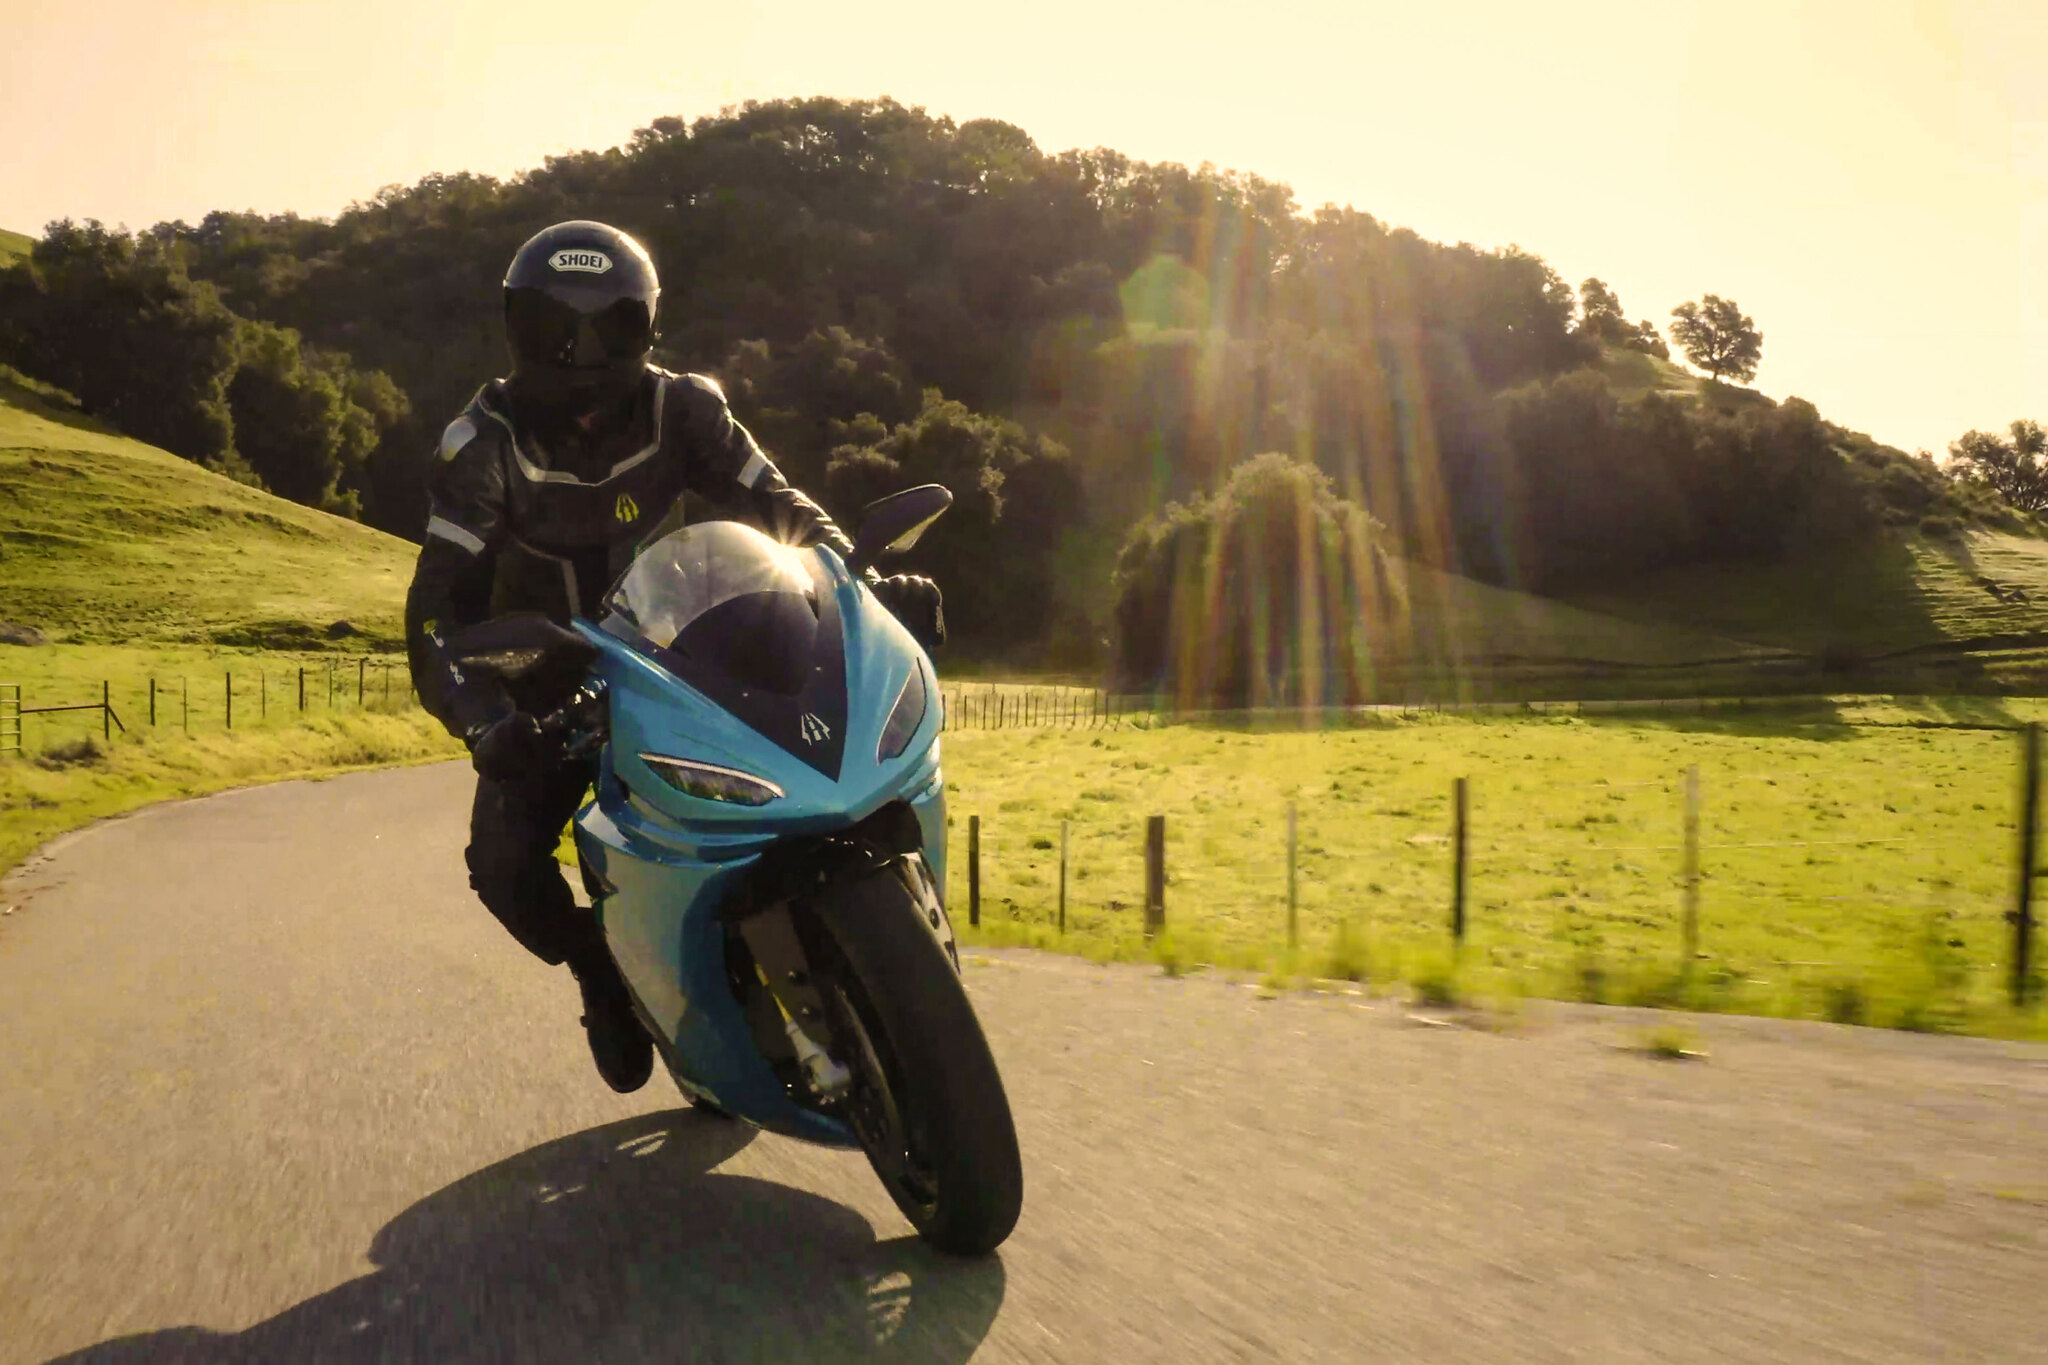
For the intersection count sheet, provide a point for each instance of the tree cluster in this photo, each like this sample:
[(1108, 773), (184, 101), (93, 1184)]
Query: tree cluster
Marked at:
[(1074, 342), (1601, 318), (117, 321)]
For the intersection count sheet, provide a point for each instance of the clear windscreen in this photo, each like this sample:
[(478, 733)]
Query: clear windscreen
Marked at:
[(687, 573)]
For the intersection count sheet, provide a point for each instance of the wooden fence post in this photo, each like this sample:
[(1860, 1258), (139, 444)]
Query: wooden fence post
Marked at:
[(1692, 865), (974, 870), (227, 693), (1063, 876), (302, 687), (152, 702), (1155, 874), (1458, 817), (106, 710), (2029, 869), (362, 666), (1293, 929)]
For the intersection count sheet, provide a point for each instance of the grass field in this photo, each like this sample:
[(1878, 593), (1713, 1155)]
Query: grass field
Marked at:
[(1858, 859), (13, 244)]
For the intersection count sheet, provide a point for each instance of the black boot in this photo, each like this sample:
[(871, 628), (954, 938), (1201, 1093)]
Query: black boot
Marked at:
[(618, 1041)]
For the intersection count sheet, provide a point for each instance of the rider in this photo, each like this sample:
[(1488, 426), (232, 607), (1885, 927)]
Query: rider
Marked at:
[(545, 487)]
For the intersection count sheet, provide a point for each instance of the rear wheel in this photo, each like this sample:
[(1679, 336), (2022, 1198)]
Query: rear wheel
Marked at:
[(926, 1100)]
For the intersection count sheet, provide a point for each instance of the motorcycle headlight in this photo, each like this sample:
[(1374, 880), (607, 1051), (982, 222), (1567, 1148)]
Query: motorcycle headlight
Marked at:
[(708, 782), (905, 718)]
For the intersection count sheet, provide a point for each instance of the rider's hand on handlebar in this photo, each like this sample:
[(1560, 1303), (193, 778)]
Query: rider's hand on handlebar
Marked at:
[(511, 747), (794, 519), (917, 603)]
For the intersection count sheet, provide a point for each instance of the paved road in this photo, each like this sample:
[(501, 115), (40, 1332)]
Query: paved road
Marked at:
[(273, 1089)]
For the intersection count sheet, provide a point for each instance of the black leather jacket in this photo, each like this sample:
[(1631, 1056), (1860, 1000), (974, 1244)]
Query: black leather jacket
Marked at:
[(518, 527)]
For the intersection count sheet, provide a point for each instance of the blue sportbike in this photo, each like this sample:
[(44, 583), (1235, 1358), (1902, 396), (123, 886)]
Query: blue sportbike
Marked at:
[(765, 849)]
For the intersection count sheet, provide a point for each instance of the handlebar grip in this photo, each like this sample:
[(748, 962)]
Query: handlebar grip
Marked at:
[(563, 722)]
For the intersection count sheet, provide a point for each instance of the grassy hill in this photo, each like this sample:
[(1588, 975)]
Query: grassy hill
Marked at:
[(1908, 593), (168, 589), (104, 540), (1460, 619), (13, 244)]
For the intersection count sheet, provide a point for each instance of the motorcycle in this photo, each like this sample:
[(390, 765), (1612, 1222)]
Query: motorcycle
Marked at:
[(765, 849)]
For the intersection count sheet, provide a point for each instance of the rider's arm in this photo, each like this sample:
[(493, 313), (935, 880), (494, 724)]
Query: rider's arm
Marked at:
[(451, 584), (729, 469)]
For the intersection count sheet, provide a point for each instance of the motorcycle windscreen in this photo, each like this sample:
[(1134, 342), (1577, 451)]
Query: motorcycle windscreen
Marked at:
[(741, 618)]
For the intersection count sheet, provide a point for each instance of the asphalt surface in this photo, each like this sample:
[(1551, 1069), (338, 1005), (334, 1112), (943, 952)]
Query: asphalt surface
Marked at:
[(273, 1088)]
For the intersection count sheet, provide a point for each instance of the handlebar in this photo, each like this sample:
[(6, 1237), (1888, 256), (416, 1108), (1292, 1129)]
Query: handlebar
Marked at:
[(578, 723)]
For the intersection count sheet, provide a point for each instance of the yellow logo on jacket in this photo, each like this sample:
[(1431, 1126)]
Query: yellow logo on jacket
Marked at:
[(627, 509)]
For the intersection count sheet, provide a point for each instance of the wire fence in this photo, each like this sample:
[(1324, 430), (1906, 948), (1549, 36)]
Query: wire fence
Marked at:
[(232, 699), (977, 706), (1742, 874)]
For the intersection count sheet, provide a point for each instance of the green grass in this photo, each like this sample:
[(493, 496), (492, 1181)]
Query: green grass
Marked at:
[(1892, 595), (1461, 621), (141, 566), (109, 541), (1671, 1043), (74, 780), (13, 244), (1575, 888), (1632, 374)]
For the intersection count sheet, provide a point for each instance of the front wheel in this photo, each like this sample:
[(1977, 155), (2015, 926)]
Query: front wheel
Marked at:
[(926, 1100)]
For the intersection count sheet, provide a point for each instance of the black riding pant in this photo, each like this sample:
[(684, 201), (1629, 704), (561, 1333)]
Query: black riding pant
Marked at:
[(513, 829)]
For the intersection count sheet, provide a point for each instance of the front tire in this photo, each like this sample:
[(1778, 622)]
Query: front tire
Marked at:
[(927, 1101)]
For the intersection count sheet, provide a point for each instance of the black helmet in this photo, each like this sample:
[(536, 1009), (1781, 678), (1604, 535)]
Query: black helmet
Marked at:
[(579, 317)]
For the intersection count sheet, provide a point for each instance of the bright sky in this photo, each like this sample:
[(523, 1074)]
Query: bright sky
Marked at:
[(1868, 179)]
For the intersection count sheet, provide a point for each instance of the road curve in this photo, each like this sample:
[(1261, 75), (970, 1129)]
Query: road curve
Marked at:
[(273, 1088)]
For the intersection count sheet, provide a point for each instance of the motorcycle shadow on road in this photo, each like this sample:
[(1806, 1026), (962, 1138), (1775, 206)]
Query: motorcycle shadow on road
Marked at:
[(621, 1243)]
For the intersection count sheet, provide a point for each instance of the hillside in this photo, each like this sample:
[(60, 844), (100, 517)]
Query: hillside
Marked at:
[(13, 244), (108, 541), (1907, 593), (1462, 621), (104, 540)]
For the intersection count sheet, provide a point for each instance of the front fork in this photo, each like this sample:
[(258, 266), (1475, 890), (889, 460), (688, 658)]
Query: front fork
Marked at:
[(783, 967)]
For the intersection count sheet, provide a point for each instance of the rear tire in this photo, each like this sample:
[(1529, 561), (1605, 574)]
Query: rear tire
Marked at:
[(927, 1101)]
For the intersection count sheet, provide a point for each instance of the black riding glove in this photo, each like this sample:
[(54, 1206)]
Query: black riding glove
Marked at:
[(794, 519), (509, 748), (917, 603)]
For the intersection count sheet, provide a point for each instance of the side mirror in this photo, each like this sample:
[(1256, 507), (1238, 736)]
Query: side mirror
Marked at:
[(893, 524)]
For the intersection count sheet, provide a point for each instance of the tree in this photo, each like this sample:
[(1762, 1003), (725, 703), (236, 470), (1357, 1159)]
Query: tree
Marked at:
[(295, 423), (2015, 468), (1013, 494), (1271, 590), (1600, 312), (114, 320), (1717, 337), (1648, 341)]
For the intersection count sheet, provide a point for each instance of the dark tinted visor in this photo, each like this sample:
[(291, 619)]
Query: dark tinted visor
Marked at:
[(548, 330)]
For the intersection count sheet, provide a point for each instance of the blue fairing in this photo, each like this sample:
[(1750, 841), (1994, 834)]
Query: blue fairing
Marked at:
[(669, 861)]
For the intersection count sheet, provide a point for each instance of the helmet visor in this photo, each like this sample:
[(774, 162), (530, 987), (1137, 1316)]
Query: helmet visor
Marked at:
[(548, 330)]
